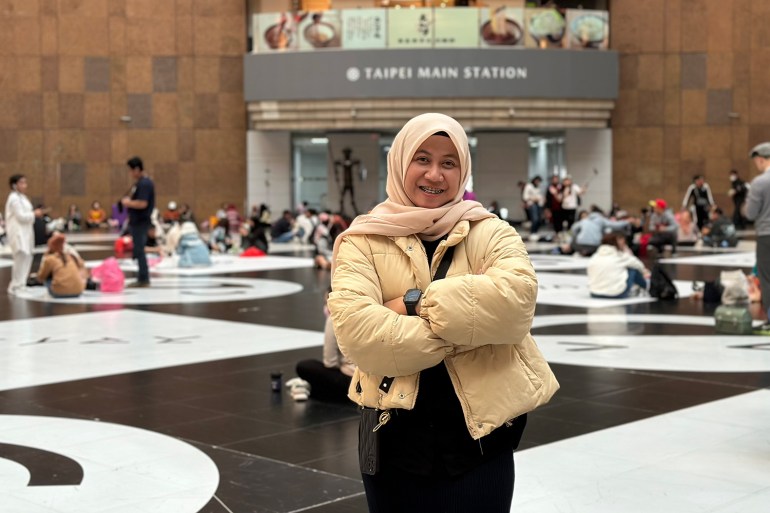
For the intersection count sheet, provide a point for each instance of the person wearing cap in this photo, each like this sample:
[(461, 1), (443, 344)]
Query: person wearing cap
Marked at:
[(662, 225), (699, 195), (171, 215), (758, 210), (61, 271)]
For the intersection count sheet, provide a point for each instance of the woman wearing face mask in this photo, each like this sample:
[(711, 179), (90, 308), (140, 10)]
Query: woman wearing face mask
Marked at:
[(19, 221), (448, 364)]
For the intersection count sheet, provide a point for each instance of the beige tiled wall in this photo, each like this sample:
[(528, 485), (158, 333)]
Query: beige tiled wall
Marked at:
[(694, 94), (70, 69)]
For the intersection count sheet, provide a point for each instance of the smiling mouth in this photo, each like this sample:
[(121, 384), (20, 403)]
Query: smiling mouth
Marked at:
[(431, 190)]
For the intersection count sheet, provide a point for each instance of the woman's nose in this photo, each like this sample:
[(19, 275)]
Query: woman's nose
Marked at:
[(433, 173)]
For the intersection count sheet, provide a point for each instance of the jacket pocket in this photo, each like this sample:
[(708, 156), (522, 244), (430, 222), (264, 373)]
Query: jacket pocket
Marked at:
[(527, 369)]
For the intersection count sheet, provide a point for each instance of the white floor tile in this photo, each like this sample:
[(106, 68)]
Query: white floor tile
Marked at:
[(669, 463), (68, 347)]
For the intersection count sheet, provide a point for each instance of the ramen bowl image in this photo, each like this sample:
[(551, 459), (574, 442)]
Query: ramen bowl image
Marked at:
[(278, 36), (547, 27), (321, 35), (501, 31), (589, 31)]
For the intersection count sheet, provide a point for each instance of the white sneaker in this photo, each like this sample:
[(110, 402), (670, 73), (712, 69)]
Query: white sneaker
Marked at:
[(299, 389)]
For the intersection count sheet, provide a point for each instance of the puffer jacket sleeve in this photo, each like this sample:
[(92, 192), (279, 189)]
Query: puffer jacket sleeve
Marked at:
[(377, 339), (495, 304)]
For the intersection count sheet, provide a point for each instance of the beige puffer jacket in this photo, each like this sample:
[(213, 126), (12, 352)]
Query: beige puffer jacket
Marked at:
[(477, 320)]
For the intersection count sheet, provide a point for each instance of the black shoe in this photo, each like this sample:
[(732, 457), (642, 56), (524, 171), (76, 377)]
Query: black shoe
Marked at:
[(138, 285)]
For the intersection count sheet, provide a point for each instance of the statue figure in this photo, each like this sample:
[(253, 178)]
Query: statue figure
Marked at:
[(347, 164)]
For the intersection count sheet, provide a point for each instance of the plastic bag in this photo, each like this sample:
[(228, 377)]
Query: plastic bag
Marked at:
[(124, 246), (109, 275), (735, 287)]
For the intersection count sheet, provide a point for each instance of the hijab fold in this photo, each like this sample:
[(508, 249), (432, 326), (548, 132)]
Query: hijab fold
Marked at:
[(397, 215)]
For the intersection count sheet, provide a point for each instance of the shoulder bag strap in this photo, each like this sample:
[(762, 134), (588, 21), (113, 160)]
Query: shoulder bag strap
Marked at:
[(443, 267), (446, 261)]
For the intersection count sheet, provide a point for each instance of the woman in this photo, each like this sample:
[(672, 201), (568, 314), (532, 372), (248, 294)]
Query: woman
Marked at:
[(570, 200), (19, 221), (62, 272), (97, 217), (533, 202), (462, 341), (613, 271), (193, 252), (687, 232), (74, 218)]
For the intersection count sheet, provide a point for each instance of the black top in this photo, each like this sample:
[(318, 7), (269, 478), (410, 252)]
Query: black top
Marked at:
[(432, 439), (143, 190)]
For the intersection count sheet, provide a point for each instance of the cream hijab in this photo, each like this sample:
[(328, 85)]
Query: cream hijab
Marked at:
[(397, 215)]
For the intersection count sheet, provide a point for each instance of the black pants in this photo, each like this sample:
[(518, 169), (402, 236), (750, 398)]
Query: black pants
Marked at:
[(139, 237), (325, 384), (487, 488)]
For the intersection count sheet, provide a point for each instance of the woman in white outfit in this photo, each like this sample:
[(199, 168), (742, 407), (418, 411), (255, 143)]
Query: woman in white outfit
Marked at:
[(19, 220)]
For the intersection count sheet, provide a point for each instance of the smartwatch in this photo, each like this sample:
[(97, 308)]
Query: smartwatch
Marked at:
[(411, 298)]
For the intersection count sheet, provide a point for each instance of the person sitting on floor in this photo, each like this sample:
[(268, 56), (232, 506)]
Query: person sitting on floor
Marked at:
[(688, 233), (587, 233), (720, 230), (97, 217), (253, 236), (613, 270), (60, 270), (192, 251), (660, 229), (219, 239), (328, 380), (283, 230)]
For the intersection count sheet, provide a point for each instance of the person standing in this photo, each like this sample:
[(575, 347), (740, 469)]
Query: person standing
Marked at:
[(758, 210), (533, 202), (449, 364), (570, 200), (699, 194), (19, 221), (553, 199), (140, 203), (738, 190)]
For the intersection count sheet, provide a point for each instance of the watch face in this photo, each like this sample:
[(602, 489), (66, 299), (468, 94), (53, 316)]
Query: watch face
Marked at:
[(412, 296)]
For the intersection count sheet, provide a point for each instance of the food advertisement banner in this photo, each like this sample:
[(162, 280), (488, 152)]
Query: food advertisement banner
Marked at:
[(456, 27), (588, 29), (502, 26), (545, 28), (276, 32), (319, 30), (410, 28), (364, 28)]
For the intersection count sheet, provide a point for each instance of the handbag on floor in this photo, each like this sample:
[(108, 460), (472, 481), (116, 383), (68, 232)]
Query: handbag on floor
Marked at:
[(733, 320)]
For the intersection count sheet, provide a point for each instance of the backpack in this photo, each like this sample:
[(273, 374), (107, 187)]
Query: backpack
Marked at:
[(661, 285)]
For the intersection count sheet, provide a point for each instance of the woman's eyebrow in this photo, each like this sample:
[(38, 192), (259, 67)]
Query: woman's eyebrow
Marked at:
[(452, 155)]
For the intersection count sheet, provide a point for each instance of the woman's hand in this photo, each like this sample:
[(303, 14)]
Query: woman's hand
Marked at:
[(398, 306)]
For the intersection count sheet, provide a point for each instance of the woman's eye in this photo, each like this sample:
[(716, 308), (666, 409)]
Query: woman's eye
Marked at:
[(449, 164)]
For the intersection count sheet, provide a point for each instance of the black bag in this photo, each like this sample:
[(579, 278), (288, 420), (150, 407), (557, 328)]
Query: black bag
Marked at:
[(368, 439), (661, 285), (373, 419), (712, 292)]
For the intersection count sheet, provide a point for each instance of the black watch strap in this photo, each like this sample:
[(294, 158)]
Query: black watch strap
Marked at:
[(411, 298)]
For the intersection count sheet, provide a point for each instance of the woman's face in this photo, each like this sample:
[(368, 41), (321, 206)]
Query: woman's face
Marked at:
[(21, 185), (433, 177)]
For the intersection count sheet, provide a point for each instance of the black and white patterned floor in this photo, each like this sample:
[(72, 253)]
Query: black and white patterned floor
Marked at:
[(158, 400)]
